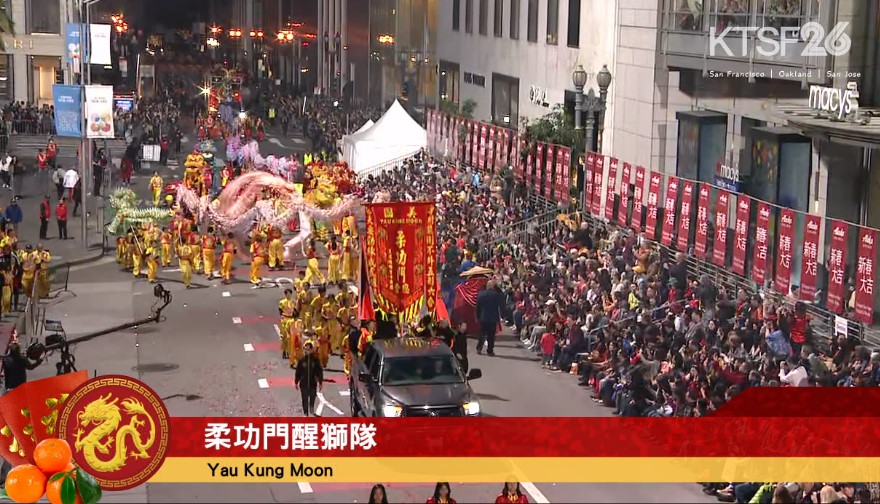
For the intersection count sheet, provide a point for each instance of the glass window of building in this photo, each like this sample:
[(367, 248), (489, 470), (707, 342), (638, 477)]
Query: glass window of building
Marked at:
[(456, 15), (469, 16), (514, 19), (6, 77), (574, 23), (450, 74), (783, 13), (686, 15), (533, 21), (505, 99), (484, 17), (498, 17), (553, 22), (43, 16)]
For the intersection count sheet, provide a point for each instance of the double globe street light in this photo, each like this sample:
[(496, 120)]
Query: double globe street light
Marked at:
[(594, 106)]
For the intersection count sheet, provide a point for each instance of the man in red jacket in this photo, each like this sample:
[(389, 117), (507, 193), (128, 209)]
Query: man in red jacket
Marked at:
[(61, 217)]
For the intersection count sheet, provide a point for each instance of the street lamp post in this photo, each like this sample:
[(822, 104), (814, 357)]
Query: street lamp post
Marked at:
[(592, 104), (579, 77), (603, 80)]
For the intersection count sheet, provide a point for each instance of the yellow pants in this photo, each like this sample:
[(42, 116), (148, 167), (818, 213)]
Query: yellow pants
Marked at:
[(333, 265), (209, 257), (346, 266), (313, 274), (284, 332), (226, 266), (43, 283), (166, 254), (276, 254), (6, 302), (157, 194), (137, 264), (323, 351), (27, 284), (152, 269), (336, 335), (256, 266), (295, 348), (346, 363), (186, 269), (120, 254), (197, 260)]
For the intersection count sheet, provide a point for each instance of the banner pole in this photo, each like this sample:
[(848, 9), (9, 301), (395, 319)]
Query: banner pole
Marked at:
[(83, 145)]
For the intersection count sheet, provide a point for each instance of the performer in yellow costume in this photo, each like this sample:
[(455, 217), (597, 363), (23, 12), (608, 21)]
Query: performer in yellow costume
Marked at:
[(313, 273), (258, 258), (349, 257), (295, 339), (367, 332), (341, 322), (156, 185), (276, 249), (152, 264), (329, 312), (346, 356), (166, 240), (286, 308), (121, 251), (209, 252), (334, 262), (137, 255), (184, 255), (128, 261), (29, 270), (195, 241), (226, 258), (43, 281), (6, 296)]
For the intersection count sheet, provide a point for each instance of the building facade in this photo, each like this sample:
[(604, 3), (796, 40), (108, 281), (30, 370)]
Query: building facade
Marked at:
[(515, 58), (32, 61)]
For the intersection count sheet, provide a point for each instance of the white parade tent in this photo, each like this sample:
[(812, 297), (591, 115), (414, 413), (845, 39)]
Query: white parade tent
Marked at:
[(395, 135), (367, 125)]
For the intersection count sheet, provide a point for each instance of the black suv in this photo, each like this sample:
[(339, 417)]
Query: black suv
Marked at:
[(411, 377)]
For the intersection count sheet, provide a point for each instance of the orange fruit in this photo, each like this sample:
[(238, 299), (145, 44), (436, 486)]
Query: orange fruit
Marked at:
[(25, 483), (52, 455), (53, 489)]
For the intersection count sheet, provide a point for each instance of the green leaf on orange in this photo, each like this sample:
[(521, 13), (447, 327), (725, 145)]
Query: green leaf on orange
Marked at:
[(68, 491), (57, 476), (4, 496), (88, 487)]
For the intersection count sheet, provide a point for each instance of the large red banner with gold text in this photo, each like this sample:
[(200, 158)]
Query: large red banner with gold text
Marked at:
[(837, 266), (702, 234), (505, 147), (611, 188), (668, 230), (684, 221), (810, 256), (468, 141), (548, 172), (530, 168), (719, 245), (588, 181), (475, 144), (638, 199), (784, 250), (653, 201), (490, 149), (741, 234), (566, 174), (865, 275), (762, 244), (401, 252), (623, 207), (557, 175), (598, 173), (539, 167), (481, 153)]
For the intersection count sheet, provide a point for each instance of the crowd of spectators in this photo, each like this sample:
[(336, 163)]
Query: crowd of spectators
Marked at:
[(25, 118)]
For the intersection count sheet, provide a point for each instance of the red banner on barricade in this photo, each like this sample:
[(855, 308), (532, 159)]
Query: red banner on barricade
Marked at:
[(611, 188), (638, 205), (741, 234), (515, 163), (557, 175), (530, 168), (702, 232), (566, 175), (836, 301), (539, 168), (598, 175), (651, 215), (867, 251), (468, 142), (505, 148), (684, 220), (475, 145), (589, 168), (762, 244), (623, 206), (667, 232), (784, 250), (453, 140), (491, 143), (810, 257), (719, 245), (401, 256), (548, 172), (481, 153)]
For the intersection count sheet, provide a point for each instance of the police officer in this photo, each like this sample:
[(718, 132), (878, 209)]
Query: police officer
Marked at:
[(309, 377)]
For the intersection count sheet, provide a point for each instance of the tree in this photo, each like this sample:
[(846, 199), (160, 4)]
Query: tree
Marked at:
[(464, 109), (553, 128), (7, 27)]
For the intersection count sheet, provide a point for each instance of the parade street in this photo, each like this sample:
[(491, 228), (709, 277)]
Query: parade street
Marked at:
[(216, 353)]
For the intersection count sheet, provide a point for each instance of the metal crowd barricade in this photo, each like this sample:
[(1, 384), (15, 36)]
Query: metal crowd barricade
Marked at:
[(384, 167)]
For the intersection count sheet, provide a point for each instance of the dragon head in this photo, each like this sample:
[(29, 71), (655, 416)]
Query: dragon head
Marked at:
[(98, 411)]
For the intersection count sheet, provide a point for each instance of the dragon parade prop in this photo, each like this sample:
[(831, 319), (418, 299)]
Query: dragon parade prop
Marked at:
[(125, 213)]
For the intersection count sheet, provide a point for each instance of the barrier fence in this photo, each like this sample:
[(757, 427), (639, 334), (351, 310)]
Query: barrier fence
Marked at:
[(384, 167)]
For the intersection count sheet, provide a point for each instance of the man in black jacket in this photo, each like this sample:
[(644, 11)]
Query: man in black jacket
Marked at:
[(459, 345), (488, 315), (45, 217), (309, 377)]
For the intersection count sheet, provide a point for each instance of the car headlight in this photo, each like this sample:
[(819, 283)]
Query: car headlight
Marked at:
[(392, 410), (471, 408)]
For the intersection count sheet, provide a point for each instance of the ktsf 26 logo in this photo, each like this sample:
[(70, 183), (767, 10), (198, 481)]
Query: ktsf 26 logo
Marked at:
[(733, 41)]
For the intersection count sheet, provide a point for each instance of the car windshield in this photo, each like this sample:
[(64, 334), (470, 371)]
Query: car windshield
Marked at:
[(427, 369)]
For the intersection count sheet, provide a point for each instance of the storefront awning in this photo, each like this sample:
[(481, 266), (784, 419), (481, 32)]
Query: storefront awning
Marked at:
[(805, 120)]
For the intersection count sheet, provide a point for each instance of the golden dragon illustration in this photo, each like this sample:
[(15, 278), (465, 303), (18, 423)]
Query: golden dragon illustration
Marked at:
[(106, 416)]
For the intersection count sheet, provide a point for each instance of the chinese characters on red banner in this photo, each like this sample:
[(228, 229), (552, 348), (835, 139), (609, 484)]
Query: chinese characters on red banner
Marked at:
[(837, 266), (719, 245), (784, 251), (762, 244), (290, 436), (611, 189), (684, 221), (548, 173), (598, 173), (530, 167), (653, 201), (810, 257), (865, 275), (481, 153), (741, 234), (566, 175), (588, 181), (467, 143), (702, 233), (623, 206), (561, 196), (668, 230), (638, 199), (490, 149), (475, 145)]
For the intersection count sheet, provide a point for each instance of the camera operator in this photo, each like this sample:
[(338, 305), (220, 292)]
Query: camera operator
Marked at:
[(16, 365)]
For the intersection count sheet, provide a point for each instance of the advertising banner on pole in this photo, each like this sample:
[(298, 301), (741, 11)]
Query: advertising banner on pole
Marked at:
[(701, 237), (588, 182), (598, 177), (557, 175), (431, 128), (623, 207), (68, 110), (867, 251), (810, 257), (530, 166), (611, 189), (74, 37), (539, 169), (668, 230), (741, 234), (762, 244), (99, 111), (719, 245), (638, 205), (566, 175), (548, 172), (99, 47), (475, 145), (836, 301), (490, 149), (468, 135), (684, 220), (481, 154), (784, 250), (654, 181)]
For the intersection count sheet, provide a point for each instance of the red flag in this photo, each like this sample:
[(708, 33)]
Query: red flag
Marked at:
[(598, 175), (638, 199), (668, 230), (588, 181), (719, 245), (702, 233), (684, 221), (441, 313), (810, 257), (366, 311), (762, 244), (865, 275), (623, 206), (784, 250), (654, 182), (611, 189), (835, 301), (741, 234), (465, 302)]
